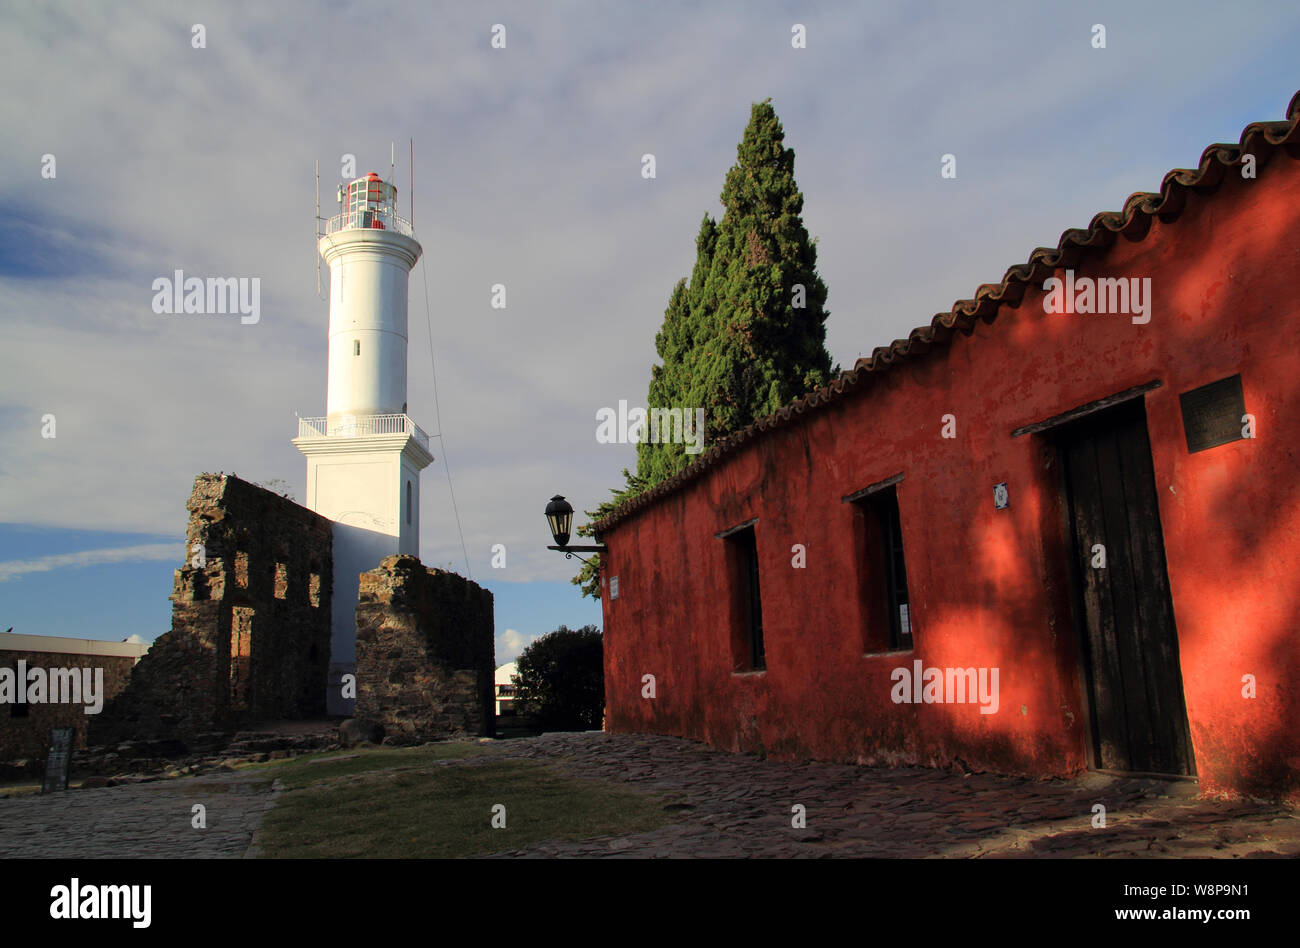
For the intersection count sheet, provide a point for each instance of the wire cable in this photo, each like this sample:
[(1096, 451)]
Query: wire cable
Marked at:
[(437, 412)]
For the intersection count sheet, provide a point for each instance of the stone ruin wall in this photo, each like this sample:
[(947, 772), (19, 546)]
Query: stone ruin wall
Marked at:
[(426, 653), (250, 635)]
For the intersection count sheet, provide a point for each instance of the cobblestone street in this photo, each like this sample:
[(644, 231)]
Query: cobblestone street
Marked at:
[(735, 805), (140, 820), (722, 805)]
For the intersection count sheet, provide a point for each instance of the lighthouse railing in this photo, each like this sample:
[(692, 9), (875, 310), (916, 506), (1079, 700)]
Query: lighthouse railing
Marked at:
[(372, 219), (356, 426)]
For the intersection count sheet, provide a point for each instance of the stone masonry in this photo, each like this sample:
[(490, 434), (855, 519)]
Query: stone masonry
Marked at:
[(250, 636), (25, 729), (425, 652)]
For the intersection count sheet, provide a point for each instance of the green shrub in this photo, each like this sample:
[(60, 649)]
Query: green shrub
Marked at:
[(562, 680)]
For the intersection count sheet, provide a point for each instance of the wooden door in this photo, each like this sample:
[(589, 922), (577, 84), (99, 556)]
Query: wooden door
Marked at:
[(1124, 610)]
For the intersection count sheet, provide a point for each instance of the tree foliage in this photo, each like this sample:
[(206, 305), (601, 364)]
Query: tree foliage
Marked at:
[(561, 679), (588, 577), (747, 334)]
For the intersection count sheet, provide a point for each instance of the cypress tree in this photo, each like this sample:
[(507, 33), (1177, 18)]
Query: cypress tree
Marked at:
[(747, 335), (670, 383), (762, 342)]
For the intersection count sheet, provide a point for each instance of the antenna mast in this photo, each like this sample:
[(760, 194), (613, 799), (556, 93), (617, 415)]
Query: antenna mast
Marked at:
[(317, 227), (412, 191)]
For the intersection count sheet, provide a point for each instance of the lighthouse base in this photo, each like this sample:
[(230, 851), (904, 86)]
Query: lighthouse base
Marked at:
[(369, 485)]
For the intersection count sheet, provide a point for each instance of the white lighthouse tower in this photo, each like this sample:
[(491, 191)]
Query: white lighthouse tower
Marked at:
[(365, 456)]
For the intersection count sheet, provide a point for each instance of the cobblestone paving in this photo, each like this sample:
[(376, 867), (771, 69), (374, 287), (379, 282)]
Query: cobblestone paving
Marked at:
[(141, 820), (728, 805), (721, 805)]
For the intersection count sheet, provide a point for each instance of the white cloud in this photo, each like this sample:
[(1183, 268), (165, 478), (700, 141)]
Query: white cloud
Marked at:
[(512, 644), (144, 552)]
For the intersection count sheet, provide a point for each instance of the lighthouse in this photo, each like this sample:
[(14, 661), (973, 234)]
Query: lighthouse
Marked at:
[(364, 457)]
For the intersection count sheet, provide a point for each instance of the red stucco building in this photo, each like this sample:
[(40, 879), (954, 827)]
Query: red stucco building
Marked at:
[(1030, 537)]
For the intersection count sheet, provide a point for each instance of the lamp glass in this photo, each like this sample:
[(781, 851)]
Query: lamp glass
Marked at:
[(559, 516)]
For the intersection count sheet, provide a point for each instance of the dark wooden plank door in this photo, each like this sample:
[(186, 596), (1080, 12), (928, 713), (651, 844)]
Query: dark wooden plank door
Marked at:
[(1130, 643)]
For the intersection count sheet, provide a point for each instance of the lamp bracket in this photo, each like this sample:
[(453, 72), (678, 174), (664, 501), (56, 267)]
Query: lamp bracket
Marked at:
[(571, 551)]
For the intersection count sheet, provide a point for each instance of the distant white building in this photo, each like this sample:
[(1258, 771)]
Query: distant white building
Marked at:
[(505, 688)]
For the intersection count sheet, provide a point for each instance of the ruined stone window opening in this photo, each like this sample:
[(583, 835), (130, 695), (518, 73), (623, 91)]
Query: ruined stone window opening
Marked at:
[(208, 674), (194, 583), (241, 652)]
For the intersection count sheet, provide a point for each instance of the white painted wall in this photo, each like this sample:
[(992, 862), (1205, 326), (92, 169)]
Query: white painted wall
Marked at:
[(358, 489), (408, 526), (369, 272), (356, 551), (363, 482)]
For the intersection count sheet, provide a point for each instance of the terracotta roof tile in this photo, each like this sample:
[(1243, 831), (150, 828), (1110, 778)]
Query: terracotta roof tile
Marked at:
[(1258, 138)]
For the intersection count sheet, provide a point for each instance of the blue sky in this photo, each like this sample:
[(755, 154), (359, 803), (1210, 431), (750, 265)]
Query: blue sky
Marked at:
[(527, 173)]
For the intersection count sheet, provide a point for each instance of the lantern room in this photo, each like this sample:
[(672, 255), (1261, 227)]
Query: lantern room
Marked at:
[(369, 202)]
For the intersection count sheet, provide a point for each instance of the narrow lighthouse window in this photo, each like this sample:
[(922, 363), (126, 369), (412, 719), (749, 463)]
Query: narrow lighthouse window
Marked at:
[(356, 347), (408, 501)]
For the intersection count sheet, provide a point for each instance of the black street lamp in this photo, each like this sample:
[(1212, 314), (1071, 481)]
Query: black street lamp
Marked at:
[(559, 517)]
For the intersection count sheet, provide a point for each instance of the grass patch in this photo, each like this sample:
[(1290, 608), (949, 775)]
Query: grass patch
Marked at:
[(301, 771), (405, 810), (20, 789)]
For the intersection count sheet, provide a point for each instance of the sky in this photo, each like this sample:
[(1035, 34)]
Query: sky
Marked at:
[(528, 158)]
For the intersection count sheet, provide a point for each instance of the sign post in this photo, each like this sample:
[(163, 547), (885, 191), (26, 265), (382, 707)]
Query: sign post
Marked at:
[(56, 765)]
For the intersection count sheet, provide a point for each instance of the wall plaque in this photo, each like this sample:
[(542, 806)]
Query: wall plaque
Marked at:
[(1212, 414)]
